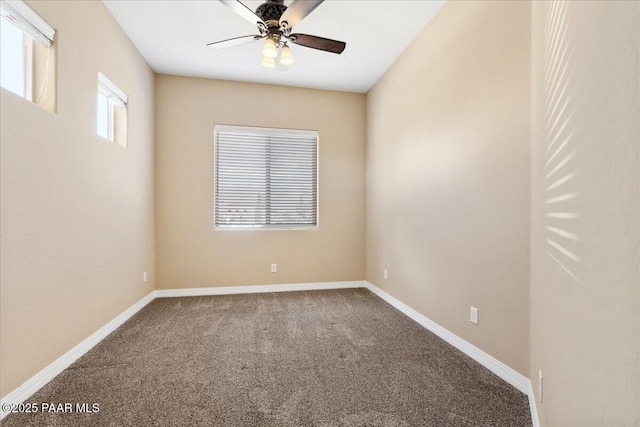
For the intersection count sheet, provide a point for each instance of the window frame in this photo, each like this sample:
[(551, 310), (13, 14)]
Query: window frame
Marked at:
[(34, 30), (110, 117), (267, 228), (28, 53), (111, 91)]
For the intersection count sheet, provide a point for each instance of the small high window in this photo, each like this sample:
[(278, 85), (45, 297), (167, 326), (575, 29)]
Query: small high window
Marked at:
[(14, 59), (27, 54), (111, 111)]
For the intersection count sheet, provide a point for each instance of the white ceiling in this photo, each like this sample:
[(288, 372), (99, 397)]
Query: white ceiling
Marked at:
[(172, 36)]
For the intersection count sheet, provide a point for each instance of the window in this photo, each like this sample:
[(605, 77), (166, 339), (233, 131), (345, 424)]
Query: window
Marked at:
[(111, 111), (14, 65), (265, 178), (25, 54)]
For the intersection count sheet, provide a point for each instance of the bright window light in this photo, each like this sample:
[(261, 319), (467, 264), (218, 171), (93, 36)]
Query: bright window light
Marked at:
[(12, 58), (111, 109), (26, 52), (103, 116)]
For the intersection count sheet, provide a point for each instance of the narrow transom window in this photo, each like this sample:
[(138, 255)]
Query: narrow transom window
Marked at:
[(265, 178), (111, 111), (26, 59)]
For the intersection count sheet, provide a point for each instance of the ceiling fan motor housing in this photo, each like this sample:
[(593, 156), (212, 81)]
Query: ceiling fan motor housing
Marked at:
[(271, 11)]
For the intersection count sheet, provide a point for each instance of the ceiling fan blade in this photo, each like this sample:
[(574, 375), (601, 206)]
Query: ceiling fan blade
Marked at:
[(298, 10), (320, 43), (223, 44), (238, 7)]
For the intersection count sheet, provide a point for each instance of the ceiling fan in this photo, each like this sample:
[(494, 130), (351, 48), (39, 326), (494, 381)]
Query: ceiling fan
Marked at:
[(275, 21)]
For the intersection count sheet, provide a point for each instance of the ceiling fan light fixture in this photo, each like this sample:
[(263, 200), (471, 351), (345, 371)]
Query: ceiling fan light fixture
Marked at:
[(268, 62), (275, 22), (286, 57), (269, 49)]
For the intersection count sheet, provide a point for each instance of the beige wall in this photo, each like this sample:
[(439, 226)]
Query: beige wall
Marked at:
[(77, 211), (190, 253), (448, 175), (585, 284)]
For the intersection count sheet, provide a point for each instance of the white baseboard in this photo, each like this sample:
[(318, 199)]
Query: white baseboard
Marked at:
[(511, 376), (514, 378), (36, 382), (258, 289), (535, 421)]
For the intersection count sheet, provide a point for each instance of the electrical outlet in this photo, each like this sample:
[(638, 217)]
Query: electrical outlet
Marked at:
[(274, 268), (386, 274), (540, 384), (144, 277), (473, 315)]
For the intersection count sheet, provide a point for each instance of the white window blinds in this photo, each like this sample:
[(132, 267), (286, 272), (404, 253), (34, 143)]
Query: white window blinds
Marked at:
[(109, 89), (23, 17), (265, 178)]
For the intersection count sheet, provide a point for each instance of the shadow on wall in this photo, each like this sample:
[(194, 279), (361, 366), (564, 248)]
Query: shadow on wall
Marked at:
[(560, 169)]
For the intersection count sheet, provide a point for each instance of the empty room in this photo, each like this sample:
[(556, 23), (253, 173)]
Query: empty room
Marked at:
[(320, 213)]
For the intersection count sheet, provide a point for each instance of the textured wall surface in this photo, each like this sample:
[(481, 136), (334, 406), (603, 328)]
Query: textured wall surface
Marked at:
[(190, 253), (585, 284), (77, 210), (448, 175)]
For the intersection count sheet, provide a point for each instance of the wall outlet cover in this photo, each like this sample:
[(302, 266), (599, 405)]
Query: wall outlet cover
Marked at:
[(274, 268), (473, 315)]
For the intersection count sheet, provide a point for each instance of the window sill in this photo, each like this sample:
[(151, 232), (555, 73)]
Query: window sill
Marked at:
[(267, 229)]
